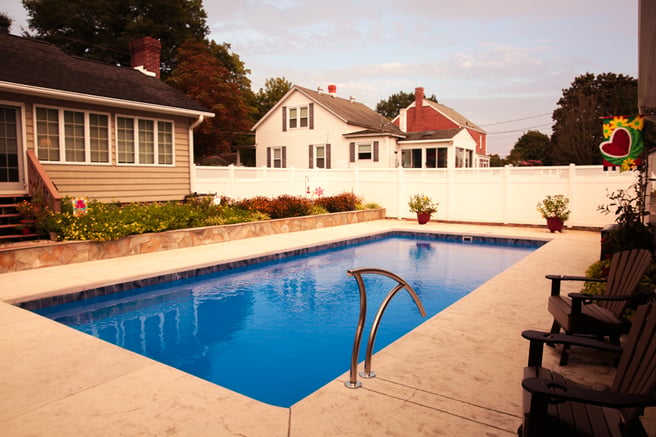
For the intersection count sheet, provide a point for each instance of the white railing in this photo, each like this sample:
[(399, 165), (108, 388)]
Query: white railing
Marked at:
[(506, 195)]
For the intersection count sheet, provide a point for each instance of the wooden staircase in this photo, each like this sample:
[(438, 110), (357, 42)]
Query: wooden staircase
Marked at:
[(13, 227)]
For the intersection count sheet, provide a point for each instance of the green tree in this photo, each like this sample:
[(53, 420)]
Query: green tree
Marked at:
[(497, 161), (391, 107), (201, 76), (577, 129), (5, 23), (532, 148), (266, 98), (102, 29)]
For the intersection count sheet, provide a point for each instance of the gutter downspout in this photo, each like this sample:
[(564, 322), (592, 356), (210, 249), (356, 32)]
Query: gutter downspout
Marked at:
[(192, 164)]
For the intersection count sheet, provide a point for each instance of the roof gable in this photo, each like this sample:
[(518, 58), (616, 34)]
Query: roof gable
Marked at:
[(31, 63), (350, 112), (453, 115)]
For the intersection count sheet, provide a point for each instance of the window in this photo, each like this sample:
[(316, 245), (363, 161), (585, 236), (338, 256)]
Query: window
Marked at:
[(276, 159), (432, 157), (320, 156), (364, 151), (464, 158), (144, 141), (298, 117), (72, 136)]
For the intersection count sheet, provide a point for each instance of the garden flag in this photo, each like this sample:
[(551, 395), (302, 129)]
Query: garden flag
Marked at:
[(622, 145)]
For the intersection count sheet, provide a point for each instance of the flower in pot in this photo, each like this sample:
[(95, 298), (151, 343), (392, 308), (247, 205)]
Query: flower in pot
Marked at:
[(554, 208), (423, 206)]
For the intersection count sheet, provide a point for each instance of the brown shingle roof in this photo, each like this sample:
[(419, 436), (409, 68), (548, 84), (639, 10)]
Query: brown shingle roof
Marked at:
[(38, 64), (354, 113)]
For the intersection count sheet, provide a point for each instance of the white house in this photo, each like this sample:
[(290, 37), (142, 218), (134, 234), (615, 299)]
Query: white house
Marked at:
[(315, 129)]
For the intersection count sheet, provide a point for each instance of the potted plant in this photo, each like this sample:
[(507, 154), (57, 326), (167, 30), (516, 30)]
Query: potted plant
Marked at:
[(554, 208), (423, 206)]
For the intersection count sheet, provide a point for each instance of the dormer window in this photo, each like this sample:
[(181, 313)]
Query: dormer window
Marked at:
[(298, 117)]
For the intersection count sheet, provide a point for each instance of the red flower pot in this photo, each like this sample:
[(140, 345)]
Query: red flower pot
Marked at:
[(423, 217), (554, 224)]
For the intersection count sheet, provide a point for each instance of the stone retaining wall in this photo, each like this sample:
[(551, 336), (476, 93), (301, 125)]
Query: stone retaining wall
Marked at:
[(52, 253)]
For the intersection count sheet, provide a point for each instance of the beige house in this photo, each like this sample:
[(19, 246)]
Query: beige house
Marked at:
[(95, 130)]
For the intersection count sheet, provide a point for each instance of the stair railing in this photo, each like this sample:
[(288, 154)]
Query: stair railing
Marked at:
[(40, 183)]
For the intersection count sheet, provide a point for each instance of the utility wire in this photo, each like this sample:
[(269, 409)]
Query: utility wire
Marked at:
[(517, 119), (519, 130)]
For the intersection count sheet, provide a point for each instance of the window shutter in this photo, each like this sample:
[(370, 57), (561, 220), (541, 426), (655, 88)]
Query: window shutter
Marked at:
[(284, 156), (327, 155), (311, 155), (352, 152), (311, 115), (268, 156), (284, 118), (375, 151)]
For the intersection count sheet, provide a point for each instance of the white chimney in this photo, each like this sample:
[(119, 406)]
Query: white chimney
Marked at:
[(320, 89), (403, 119)]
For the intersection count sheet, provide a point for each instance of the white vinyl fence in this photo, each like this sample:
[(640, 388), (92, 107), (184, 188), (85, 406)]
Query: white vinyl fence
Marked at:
[(506, 195)]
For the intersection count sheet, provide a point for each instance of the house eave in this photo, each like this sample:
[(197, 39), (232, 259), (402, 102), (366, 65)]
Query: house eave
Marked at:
[(100, 100)]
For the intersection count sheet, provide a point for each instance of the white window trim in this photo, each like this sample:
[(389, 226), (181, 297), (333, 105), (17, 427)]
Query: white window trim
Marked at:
[(316, 155), (135, 123), (371, 151), (273, 156), (62, 132), (298, 117)]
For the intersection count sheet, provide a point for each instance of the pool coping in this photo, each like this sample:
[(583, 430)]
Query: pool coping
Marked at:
[(44, 302), (446, 376)]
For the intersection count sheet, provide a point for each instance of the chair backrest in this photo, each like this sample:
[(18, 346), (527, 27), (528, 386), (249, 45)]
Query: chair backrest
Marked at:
[(636, 372), (626, 270)]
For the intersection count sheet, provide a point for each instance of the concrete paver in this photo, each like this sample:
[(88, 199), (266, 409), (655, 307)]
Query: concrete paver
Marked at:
[(457, 374)]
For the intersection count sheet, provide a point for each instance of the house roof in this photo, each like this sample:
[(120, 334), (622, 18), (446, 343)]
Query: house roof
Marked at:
[(454, 115), (350, 112), (38, 67), (432, 135)]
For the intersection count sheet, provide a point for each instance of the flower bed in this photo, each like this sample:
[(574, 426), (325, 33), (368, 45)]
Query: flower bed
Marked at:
[(49, 254)]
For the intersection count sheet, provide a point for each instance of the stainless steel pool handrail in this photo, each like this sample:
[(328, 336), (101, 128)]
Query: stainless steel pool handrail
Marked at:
[(401, 284)]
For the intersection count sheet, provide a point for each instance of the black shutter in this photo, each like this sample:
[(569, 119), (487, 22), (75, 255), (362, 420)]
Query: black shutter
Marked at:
[(284, 118), (268, 156), (311, 155), (284, 156), (352, 152), (327, 155), (311, 115), (375, 151)]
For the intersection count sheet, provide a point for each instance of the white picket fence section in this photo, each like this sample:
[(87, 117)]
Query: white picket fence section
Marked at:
[(506, 195)]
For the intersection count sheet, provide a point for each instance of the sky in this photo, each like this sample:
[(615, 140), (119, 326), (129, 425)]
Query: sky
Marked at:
[(503, 64)]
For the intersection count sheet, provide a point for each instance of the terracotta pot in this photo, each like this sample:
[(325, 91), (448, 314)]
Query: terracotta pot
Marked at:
[(554, 224), (423, 217)]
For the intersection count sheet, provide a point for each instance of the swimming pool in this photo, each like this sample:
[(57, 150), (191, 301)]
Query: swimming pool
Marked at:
[(276, 331)]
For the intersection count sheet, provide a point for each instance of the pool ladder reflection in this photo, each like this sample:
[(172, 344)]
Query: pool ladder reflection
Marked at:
[(401, 284)]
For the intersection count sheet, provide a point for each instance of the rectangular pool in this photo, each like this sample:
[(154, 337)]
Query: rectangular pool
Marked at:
[(278, 329)]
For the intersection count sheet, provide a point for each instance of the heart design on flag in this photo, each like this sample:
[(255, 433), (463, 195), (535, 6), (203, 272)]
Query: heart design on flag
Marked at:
[(619, 144)]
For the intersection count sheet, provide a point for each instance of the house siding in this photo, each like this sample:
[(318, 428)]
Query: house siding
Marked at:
[(112, 182), (324, 128)]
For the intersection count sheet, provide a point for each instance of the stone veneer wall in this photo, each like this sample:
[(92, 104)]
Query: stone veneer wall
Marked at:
[(50, 254)]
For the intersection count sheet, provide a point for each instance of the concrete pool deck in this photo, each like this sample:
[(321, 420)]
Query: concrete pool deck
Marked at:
[(459, 373)]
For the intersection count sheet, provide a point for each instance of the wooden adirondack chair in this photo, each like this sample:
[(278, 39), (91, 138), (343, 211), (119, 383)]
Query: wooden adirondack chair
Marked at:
[(556, 406), (598, 315)]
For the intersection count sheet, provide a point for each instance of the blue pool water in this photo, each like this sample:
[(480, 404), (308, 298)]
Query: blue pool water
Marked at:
[(277, 331)]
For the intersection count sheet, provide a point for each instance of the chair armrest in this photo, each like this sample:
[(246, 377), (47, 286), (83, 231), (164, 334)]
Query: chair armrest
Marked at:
[(539, 338), (557, 279), (583, 296), (556, 392)]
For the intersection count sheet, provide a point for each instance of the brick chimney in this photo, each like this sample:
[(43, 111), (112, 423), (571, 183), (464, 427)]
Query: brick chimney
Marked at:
[(144, 54), (419, 109)]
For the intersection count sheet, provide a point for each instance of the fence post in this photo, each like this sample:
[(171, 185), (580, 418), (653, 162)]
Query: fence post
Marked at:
[(231, 179), (450, 189), (571, 191), (401, 196), (506, 194)]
